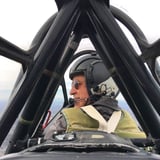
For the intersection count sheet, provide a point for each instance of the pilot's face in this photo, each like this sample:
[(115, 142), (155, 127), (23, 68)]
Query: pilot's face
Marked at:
[(79, 91)]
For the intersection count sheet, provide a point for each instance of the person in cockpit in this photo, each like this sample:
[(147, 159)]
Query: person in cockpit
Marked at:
[(93, 108)]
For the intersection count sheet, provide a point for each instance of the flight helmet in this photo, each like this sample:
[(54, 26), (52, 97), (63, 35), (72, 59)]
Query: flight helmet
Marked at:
[(95, 72)]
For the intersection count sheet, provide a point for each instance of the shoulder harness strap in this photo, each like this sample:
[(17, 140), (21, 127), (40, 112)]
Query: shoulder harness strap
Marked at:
[(107, 126)]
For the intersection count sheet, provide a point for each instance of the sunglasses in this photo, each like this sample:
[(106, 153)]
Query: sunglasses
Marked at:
[(76, 84)]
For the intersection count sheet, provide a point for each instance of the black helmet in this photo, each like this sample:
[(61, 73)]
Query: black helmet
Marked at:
[(95, 72)]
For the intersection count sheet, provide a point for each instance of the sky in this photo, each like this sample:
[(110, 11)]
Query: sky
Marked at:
[(20, 20)]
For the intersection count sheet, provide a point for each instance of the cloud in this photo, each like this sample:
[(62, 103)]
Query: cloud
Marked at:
[(21, 19), (144, 13), (8, 70)]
